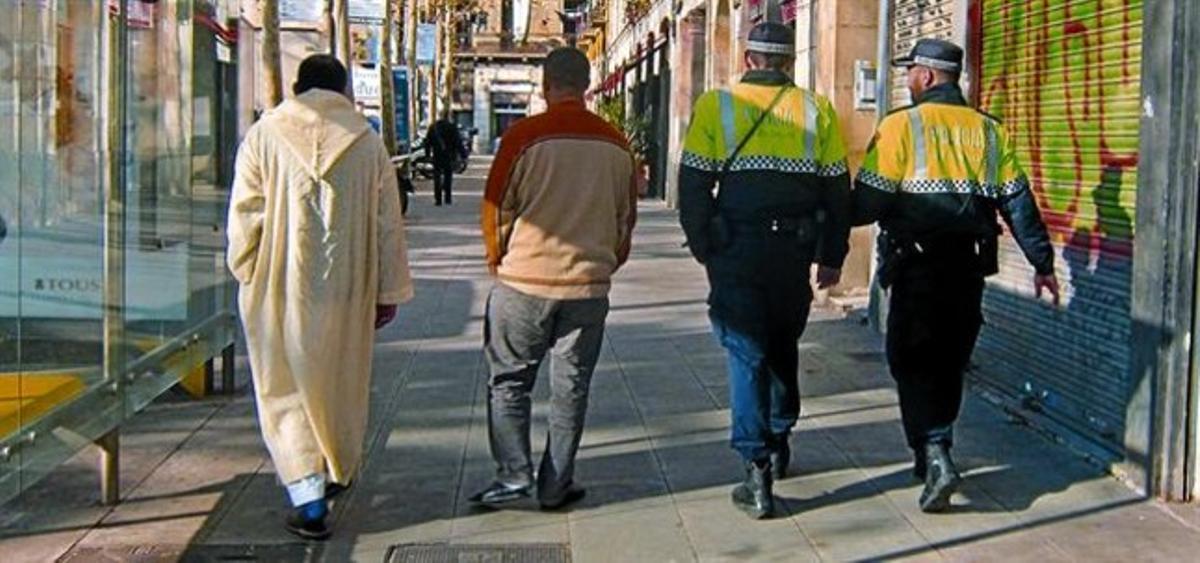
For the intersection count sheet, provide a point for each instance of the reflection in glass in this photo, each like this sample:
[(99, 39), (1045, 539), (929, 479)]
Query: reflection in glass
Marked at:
[(56, 86)]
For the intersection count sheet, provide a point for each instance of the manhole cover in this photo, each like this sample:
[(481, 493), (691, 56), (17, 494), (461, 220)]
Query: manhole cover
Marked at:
[(479, 553)]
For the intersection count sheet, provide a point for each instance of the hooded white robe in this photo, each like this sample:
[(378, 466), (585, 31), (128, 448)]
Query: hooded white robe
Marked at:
[(316, 240)]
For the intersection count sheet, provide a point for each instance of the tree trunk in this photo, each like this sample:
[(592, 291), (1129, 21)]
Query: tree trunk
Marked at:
[(410, 59), (448, 59), (271, 72), (435, 73), (341, 40), (387, 105)]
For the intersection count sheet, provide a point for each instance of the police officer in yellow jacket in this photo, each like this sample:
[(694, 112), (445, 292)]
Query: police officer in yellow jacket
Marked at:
[(935, 176), (775, 152)]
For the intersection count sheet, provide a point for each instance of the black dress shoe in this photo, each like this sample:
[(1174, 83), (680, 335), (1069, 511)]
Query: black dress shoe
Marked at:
[(499, 493), (781, 458), (573, 495), (941, 479), (754, 496), (332, 490), (304, 528)]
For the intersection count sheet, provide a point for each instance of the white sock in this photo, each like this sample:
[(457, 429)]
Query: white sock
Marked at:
[(307, 489)]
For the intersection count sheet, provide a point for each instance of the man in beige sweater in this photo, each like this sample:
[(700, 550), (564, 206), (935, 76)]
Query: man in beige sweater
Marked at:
[(557, 216)]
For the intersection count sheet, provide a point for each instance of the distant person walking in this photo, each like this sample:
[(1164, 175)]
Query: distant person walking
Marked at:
[(445, 147), (316, 241), (558, 213)]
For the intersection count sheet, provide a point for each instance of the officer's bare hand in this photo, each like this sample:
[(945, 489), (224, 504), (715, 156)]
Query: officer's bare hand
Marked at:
[(1048, 283), (828, 277)]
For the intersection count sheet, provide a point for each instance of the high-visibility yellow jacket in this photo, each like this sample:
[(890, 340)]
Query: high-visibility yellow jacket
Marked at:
[(792, 168), (942, 169)]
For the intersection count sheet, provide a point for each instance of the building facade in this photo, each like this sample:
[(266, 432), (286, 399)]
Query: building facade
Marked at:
[(658, 57), (498, 55)]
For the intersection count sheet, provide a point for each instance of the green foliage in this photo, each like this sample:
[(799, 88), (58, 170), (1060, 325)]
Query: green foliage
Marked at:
[(612, 110), (636, 128), (637, 131)]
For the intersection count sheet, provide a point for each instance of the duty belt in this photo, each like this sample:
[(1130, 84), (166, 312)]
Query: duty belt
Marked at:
[(774, 226)]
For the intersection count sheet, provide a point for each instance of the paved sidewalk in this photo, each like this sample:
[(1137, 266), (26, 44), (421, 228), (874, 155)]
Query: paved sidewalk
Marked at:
[(198, 484)]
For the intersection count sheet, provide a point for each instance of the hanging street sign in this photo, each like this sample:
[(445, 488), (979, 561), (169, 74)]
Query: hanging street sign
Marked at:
[(426, 43)]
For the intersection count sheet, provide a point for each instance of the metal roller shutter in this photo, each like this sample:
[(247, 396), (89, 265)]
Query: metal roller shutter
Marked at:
[(913, 20), (1064, 76)]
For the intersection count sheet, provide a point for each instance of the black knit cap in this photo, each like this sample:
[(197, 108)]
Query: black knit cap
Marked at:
[(772, 38)]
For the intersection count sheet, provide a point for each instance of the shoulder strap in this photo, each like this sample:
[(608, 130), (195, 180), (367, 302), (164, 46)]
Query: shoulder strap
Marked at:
[(725, 99)]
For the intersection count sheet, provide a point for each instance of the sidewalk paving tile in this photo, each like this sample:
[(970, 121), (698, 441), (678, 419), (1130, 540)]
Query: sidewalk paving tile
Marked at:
[(655, 457)]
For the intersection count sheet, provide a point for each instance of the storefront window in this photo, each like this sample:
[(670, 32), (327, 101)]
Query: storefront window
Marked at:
[(62, 260)]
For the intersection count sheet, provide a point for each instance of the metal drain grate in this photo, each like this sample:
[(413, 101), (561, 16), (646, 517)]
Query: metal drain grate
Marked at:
[(195, 553), (479, 553)]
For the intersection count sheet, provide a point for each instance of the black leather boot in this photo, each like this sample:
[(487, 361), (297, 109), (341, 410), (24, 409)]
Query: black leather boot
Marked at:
[(941, 479), (919, 468), (781, 458), (754, 495)]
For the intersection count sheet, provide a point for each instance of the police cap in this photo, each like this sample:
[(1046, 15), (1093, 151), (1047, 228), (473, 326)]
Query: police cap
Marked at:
[(772, 38), (937, 54)]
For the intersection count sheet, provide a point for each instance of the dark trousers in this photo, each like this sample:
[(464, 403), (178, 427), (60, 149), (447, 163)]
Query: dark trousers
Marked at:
[(764, 388), (443, 181), (759, 304), (933, 323), (759, 323)]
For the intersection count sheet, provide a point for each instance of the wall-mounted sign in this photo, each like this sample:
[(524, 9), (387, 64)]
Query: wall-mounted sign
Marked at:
[(366, 84), (426, 43), (864, 85), (366, 11), (365, 43), (400, 95), (301, 11)]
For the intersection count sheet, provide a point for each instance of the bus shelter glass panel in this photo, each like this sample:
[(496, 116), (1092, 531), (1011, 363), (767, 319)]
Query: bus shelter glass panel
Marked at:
[(54, 398), (169, 269)]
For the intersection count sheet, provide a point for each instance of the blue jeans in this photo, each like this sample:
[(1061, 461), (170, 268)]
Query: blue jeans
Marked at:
[(764, 387), (519, 332)]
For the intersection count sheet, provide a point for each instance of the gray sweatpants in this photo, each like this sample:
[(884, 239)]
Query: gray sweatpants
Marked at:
[(519, 330)]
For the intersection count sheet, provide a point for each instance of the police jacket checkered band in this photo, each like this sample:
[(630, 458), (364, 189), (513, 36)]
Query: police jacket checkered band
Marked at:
[(1014, 186), (945, 186), (774, 164), (693, 160), (770, 48), (878, 182), (936, 63), (833, 169), (761, 163)]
